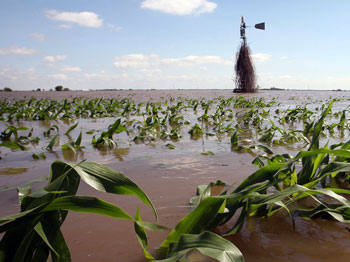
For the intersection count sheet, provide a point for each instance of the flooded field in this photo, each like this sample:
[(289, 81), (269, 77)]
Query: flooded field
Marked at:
[(197, 146)]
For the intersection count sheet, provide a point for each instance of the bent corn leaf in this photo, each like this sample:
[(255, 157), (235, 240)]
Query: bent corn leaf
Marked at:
[(87, 205), (108, 180), (197, 220), (207, 243)]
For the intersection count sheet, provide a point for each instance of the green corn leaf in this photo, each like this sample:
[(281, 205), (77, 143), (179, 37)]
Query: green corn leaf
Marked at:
[(197, 220), (39, 156), (51, 227), (203, 191), (262, 174), (208, 153), (12, 145), (108, 180), (52, 143), (69, 146), (39, 229), (150, 226), (334, 152), (23, 191), (71, 128), (142, 236), (264, 148), (90, 132), (234, 139), (87, 205), (22, 214), (78, 141), (22, 128), (258, 162), (207, 243), (318, 127), (170, 146)]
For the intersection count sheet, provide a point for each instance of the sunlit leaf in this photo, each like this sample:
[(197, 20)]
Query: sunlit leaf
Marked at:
[(207, 243)]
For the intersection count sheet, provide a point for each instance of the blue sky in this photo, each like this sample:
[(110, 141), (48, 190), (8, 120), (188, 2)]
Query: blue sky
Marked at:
[(166, 44)]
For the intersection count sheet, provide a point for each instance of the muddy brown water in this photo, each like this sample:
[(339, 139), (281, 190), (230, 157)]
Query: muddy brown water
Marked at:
[(170, 178)]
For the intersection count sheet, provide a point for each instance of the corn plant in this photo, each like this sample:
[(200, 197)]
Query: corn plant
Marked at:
[(106, 137), (34, 234)]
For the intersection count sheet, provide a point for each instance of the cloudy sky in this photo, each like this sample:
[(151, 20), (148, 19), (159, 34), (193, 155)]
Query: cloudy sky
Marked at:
[(166, 44)]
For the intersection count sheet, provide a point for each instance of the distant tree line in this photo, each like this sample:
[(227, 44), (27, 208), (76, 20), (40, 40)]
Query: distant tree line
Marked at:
[(60, 88), (57, 88)]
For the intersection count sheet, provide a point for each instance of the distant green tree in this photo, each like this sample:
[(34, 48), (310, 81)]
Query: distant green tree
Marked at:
[(7, 89), (59, 88), (66, 89)]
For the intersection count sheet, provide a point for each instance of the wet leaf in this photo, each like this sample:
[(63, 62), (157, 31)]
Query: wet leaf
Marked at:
[(208, 153), (207, 243), (71, 128), (196, 221), (12, 145), (170, 146), (39, 156)]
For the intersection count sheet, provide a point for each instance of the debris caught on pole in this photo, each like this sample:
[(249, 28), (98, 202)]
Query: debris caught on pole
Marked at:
[(245, 74)]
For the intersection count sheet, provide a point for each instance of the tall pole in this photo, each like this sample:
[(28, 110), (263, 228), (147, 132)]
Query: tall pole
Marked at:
[(242, 30)]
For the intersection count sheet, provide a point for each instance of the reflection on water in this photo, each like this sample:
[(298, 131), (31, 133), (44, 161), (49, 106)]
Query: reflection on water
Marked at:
[(275, 239), (69, 155), (44, 123), (120, 152), (12, 171)]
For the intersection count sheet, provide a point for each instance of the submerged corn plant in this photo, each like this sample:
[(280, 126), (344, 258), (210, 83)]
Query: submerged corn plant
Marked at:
[(106, 137), (34, 234), (275, 186), (11, 137), (73, 145)]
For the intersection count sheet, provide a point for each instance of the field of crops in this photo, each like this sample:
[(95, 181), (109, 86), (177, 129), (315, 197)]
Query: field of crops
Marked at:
[(265, 165)]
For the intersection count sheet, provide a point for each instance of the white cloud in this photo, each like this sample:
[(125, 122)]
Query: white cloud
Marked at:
[(284, 57), (115, 28), (145, 61), (38, 37), (87, 19), (59, 77), (105, 77), (49, 59), (261, 58), (193, 60), (150, 71), (52, 59), (203, 68), (98, 76), (135, 61), (71, 69), (180, 7), (65, 26), (11, 74), (16, 50)]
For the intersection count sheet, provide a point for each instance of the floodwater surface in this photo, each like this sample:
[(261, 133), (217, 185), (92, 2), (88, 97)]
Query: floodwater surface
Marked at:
[(170, 178)]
